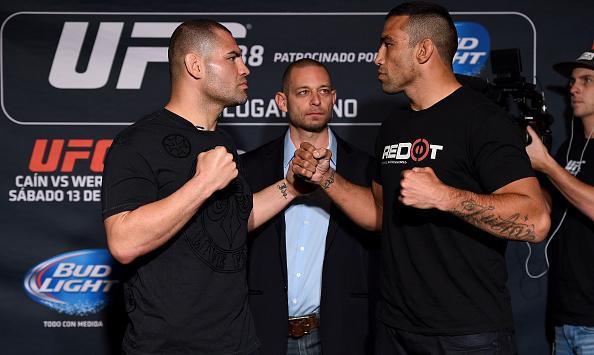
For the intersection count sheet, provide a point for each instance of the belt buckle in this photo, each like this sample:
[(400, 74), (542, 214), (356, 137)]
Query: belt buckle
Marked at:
[(302, 325)]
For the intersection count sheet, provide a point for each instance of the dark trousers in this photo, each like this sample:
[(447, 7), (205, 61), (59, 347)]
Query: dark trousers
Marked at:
[(309, 344), (392, 341)]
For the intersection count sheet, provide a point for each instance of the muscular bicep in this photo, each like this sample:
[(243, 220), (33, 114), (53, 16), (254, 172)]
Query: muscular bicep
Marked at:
[(527, 186), (378, 194)]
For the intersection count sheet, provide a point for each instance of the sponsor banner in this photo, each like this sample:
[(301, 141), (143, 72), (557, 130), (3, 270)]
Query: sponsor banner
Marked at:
[(75, 283), (103, 68), (61, 170), (473, 48)]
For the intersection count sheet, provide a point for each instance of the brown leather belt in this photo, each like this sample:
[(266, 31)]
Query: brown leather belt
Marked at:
[(299, 326)]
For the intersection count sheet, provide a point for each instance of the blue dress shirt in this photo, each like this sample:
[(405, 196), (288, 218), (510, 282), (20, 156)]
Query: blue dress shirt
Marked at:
[(306, 222)]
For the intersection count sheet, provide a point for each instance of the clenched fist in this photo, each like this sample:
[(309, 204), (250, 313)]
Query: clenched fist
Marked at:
[(421, 188), (216, 168), (311, 163)]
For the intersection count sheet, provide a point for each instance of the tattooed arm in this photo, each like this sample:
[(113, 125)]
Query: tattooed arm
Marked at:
[(362, 205), (516, 211), (271, 200)]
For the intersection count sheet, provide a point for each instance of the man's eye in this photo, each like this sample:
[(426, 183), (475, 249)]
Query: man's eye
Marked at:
[(302, 92), (324, 91)]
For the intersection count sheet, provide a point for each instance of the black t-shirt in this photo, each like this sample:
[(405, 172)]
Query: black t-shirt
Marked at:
[(190, 295), (442, 275), (571, 289)]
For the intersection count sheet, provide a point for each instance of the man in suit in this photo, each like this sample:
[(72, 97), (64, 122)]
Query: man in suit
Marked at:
[(308, 269)]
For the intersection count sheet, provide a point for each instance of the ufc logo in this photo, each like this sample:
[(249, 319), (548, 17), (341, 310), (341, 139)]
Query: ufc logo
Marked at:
[(63, 74), (49, 156)]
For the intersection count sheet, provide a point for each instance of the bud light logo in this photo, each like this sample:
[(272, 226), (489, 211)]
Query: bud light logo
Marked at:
[(474, 46), (75, 283)]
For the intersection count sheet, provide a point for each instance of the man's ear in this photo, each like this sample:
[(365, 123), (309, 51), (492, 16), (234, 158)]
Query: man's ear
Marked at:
[(281, 101), (425, 49), (194, 65)]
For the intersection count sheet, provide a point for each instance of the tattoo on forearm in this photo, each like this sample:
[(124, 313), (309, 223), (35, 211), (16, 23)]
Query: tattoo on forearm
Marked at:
[(283, 189), (509, 228), (329, 180)]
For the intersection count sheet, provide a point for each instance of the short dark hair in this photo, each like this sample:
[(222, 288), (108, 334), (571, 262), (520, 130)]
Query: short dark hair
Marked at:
[(194, 35), (429, 20), (301, 63)]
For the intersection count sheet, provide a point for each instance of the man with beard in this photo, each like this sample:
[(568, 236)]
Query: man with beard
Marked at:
[(177, 207), (308, 269), (453, 184)]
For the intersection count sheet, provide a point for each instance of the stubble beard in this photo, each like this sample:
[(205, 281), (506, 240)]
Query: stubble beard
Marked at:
[(314, 127)]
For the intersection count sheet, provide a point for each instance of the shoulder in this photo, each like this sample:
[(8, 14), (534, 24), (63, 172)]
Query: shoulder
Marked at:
[(144, 129), (345, 147), (477, 102)]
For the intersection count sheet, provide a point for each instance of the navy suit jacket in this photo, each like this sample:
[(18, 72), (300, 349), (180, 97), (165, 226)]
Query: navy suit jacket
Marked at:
[(350, 269)]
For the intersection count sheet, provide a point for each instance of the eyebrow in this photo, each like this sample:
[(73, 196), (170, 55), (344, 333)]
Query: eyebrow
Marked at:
[(324, 86), (385, 38), (235, 53), (582, 77)]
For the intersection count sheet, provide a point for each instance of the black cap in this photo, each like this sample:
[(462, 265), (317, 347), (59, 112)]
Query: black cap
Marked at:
[(586, 60)]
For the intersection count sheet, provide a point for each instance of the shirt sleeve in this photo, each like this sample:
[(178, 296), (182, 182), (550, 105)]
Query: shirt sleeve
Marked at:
[(499, 151), (128, 181)]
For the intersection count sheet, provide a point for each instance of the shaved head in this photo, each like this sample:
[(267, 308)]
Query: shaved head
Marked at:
[(301, 63), (428, 20), (196, 36)]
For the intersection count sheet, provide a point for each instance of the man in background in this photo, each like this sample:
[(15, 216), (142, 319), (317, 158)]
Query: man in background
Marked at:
[(309, 268), (571, 177)]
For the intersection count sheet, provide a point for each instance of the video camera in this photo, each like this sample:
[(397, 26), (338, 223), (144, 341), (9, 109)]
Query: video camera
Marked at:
[(510, 91), (520, 99)]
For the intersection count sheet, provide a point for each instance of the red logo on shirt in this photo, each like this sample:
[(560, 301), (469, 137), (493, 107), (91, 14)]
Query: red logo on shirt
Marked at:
[(418, 150)]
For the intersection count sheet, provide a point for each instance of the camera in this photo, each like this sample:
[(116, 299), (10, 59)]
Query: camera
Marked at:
[(524, 105), (520, 99)]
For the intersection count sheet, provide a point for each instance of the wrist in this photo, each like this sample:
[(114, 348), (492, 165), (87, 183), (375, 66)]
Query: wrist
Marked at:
[(327, 179), (201, 188), (548, 165), (287, 189), (448, 199)]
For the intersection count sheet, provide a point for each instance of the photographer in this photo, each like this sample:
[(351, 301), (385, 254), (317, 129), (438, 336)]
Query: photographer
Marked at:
[(571, 288)]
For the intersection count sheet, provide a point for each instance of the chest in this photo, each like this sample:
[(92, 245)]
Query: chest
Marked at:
[(445, 149)]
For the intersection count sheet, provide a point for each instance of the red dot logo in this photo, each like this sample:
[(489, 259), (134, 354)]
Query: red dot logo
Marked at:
[(419, 149)]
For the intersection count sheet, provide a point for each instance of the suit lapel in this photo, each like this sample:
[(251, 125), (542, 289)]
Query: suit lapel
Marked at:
[(276, 155)]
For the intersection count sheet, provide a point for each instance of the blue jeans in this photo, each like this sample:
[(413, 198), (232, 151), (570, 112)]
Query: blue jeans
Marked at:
[(309, 344), (574, 340)]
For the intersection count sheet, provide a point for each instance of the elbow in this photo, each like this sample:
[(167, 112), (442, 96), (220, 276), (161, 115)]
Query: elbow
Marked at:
[(541, 228), (372, 227), (374, 224), (120, 253)]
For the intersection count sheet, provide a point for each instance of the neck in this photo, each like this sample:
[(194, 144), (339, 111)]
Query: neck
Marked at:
[(192, 106), (317, 139), (588, 123), (430, 88)]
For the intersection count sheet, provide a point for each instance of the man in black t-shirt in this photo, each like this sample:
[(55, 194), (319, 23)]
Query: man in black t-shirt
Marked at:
[(571, 282), (177, 207), (453, 183)]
